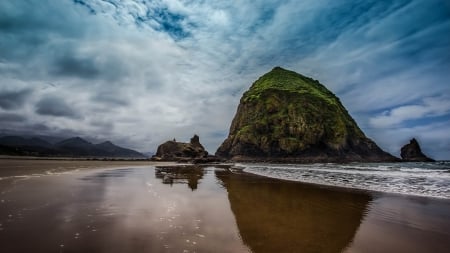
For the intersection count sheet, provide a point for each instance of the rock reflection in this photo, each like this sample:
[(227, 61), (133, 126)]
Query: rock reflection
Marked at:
[(280, 216), (189, 175)]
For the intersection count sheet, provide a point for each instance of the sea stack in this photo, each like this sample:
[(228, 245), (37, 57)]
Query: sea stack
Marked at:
[(288, 117), (412, 152), (176, 151)]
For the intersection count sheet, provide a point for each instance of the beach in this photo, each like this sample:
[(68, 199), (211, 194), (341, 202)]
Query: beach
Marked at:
[(130, 206)]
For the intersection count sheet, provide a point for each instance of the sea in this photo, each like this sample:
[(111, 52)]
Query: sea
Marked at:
[(415, 178)]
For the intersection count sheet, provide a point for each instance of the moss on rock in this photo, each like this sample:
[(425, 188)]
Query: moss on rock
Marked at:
[(285, 115)]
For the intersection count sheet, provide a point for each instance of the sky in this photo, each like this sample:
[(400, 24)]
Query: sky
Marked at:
[(140, 72)]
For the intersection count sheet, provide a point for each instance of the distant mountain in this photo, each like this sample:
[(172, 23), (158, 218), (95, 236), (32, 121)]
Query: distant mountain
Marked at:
[(148, 154), (77, 146), (16, 145), (72, 147), (17, 141), (73, 142), (109, 147)]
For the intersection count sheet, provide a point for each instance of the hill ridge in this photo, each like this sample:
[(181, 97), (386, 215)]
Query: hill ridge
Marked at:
[(71, 147)]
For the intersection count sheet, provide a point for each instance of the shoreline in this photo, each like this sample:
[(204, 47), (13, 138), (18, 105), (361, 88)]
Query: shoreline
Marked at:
[(89, 163), (352, 189), (242, 167), (230, 161), (10, 157)]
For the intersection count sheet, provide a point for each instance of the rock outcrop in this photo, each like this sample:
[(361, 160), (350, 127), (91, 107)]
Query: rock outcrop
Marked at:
[(176, 151), (412, 152), (287, 117)]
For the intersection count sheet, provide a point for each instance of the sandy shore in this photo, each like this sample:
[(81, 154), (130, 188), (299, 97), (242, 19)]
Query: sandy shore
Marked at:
[(129, 206), (10, 166)]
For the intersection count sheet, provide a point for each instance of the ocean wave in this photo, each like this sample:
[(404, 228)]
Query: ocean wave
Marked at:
[(420, 179)]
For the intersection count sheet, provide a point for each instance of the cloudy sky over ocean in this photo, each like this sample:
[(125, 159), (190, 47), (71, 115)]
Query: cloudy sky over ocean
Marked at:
[(141, 72)]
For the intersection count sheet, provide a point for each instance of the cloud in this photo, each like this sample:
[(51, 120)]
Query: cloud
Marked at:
[(72, 66), (111, 98), (11, 117), (13, 99), (141, 72), (431, 137), (54, 106), (429, 107)]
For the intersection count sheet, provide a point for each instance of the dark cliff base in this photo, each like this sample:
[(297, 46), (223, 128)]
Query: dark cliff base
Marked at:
[(306, 160), (364, 150)]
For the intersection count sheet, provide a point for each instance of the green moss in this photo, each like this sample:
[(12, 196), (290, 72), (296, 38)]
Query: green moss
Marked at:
[(281, 79), (244, 130)]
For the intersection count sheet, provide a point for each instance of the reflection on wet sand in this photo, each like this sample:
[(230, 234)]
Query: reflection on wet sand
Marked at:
[(180, 175), (207, 209), (118, 210), (280, 216)]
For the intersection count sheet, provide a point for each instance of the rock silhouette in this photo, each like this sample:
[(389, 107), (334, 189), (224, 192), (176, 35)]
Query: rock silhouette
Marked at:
[(412, 152)]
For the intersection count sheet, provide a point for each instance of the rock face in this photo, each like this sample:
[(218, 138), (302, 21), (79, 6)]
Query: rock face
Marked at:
[(174, 151), (287, 117), (411, 152)]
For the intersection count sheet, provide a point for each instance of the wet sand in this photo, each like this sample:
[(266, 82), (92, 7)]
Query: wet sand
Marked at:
[(65, 206), (10, 167)]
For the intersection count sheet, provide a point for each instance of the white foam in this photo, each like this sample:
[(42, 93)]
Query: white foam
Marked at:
[(423, 179)]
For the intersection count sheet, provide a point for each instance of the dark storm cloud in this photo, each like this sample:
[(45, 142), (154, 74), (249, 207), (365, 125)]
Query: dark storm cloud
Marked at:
[(50, 134), (55, 106), (27, 26), (76, 67), (11, 117), (13, 99), (111, 98), (46, 39), (98, 65)]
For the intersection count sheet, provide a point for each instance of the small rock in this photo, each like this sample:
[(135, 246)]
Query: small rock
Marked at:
[(412, 152)]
